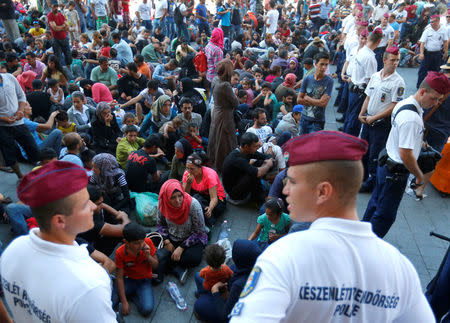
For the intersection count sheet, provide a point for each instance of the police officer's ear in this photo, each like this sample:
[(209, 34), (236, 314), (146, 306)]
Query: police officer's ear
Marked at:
[(324, 192)]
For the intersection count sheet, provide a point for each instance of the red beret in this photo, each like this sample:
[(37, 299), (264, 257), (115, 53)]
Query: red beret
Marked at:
[(365, 33), (435, 16), (51, 182), (438, 82), (378, 31), (363, 23), (386, 15), (393, 50), (359, 15), (359, 6), (324, 145)]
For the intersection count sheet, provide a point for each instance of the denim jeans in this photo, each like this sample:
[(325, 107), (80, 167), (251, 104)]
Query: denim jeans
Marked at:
[(204, 27), (170, 27), (309, 126), (140, 293), (53, 141), (62, 46), (199, 283), (17, 214), (235, 31), (182, 31)]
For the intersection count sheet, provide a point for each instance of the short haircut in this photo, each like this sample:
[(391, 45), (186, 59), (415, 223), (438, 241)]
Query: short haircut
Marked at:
[(128, 115), (321, 55), (132, 66), (115, 35), (95, 193), (248, 139), (130, 128), (173, 62), (214, 255), (139, 58), (73, 87), (52, 82), (79, 95), (31, 54), (133, 232), (426, 86), (242, 93), (374, 37), (113, 52), (152, 84), (257, 112), (10, 57), (47, 153), (74, 53), (45, 213), (36, 84), (193, 125), (185, 100), (266, 85), (62, 116), (152, 141), (248, 64), (87, 155), (102, 59), (71, 140), (283, 54)]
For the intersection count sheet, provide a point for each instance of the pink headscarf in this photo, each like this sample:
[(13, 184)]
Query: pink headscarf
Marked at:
[(289, 80), (101, 93), (25, 79), (217, 37)]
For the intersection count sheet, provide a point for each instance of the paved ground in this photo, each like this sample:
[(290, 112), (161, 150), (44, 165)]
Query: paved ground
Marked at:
[(410, 232)]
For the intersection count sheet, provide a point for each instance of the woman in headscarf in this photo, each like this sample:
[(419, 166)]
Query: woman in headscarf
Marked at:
[(110, 178), (25, 79), (187, 89), (204, 184), (159, 114), (105, 130), (256, 39), (101, 93), (181, 224), (214, 306), (222, 136), (287, 87), (214, 53), (294, 68), (182, 150)]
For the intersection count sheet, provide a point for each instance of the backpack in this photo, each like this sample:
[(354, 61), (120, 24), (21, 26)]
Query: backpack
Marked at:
[(235, 17), (177, 15), (200, 62)]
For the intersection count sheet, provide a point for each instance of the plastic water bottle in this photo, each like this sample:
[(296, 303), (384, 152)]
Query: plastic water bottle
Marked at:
[(175, 293), (225, 230)]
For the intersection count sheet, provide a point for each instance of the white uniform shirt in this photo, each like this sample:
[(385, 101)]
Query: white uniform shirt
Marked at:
[(49, 282), (388, 34), (336, 271), (383, 92), (144, 11), (365, 66), (350, 57), (350, 19), (433, 39), (406, 132), (349, 26), (272, 20), (160, 8)]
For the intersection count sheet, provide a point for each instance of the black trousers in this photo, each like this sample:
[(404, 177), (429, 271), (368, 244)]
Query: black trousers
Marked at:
[(21, 134)]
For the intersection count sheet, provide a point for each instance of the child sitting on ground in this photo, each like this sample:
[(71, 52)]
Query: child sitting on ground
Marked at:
[(63, 124), (272, 225), (170, 127), (194, 138), (215, 272), (56, 93), (243, 106), (135, 261), (129, 120)]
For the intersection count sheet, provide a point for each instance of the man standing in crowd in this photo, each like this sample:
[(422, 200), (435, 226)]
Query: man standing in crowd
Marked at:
[(378, 13), (366, 278), (433, 48), (402, 150), (386, 41), (12, 127), (384, 90), (314, 95), (8, 17), (364, 67), (59, 28), (271, 19), (80, 288)]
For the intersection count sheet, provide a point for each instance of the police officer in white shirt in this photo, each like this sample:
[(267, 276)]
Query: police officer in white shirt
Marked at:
[(337, 270), (386, 41), (46, 275), (433, 48), (384, 90), (402, 151), (365, 66)]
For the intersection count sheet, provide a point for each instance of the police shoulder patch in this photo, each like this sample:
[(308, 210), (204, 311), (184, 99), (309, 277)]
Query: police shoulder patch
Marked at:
[(400, 91), (251, 281), (237, 309)]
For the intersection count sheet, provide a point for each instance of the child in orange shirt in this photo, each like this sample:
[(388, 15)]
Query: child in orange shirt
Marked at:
[(215, 272)]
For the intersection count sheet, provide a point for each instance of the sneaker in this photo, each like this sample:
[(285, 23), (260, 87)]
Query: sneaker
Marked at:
[(184, 276), (181, 274)]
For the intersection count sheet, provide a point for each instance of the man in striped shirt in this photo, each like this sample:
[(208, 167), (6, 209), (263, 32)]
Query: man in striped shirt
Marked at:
[(314, 14)]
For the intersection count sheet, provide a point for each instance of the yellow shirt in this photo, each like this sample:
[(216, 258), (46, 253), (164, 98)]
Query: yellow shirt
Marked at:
[(37, 32), (69, 129)]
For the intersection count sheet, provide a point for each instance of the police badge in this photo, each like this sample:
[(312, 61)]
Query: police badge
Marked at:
[(400, 91), (383, 97)]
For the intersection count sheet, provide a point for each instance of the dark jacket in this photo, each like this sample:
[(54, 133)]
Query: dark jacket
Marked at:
[(105, 137)]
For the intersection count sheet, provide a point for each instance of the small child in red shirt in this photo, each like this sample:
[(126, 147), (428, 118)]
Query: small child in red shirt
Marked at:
[(135, 261), (104, 51), (194, 138), (215, 272)]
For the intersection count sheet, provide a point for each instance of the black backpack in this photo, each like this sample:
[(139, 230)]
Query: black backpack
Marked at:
[(177, 16)]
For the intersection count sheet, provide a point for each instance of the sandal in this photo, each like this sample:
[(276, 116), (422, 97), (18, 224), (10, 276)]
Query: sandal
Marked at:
[(6, 169)]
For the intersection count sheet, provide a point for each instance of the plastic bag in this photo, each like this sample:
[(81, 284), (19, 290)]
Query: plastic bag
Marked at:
[(146, 207), (226, 244)]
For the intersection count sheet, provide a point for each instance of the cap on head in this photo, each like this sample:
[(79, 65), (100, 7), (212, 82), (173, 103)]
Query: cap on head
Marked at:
[(363, 23), (49, 183), (360, 15), (317, 40), (386, 15), (359, 6), (297, 108), (435, 16), (438, 82), (378, 31), (365, 33), (322, 146), (393, 50)]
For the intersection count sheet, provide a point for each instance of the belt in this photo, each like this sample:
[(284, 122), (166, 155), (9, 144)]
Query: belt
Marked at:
[(355, 88), (432, 52), (396, 168)]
